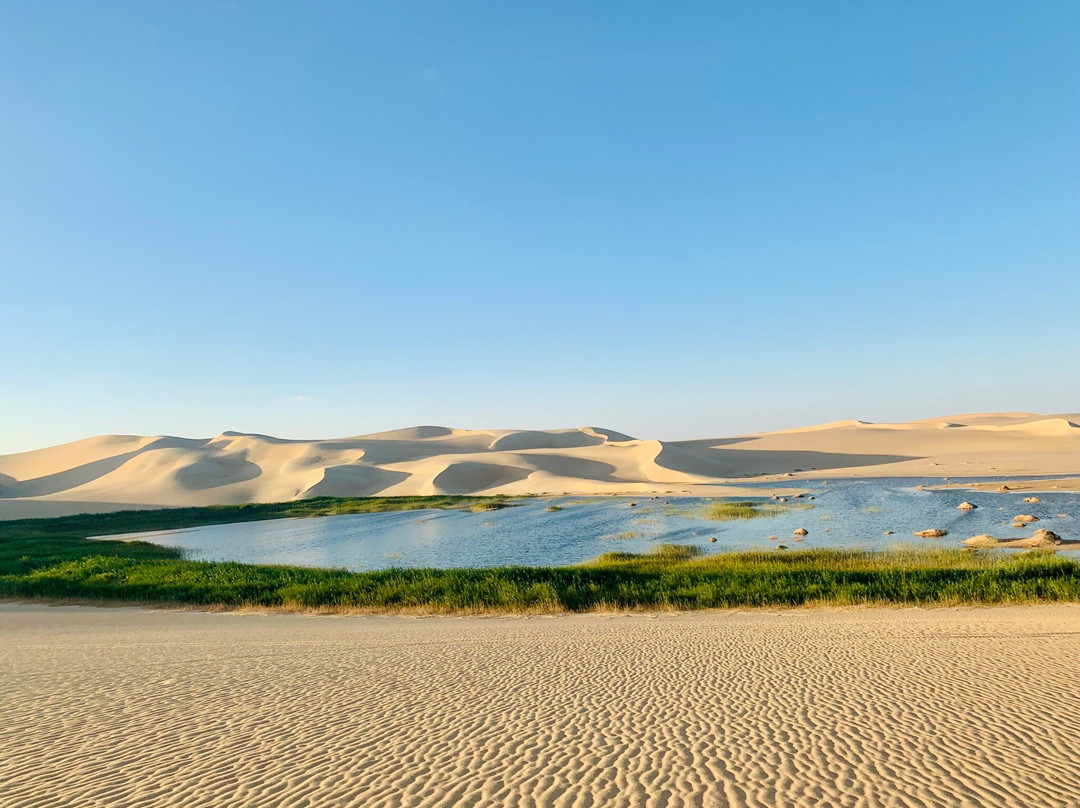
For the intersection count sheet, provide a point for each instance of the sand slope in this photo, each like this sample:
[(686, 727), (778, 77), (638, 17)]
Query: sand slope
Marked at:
[(115, 471), (119, 708)]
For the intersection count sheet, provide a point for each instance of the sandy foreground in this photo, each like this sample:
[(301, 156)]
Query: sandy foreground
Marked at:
[(129, 707), (112, 472)]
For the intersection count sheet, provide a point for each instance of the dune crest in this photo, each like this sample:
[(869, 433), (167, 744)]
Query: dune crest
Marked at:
[(234, 467)]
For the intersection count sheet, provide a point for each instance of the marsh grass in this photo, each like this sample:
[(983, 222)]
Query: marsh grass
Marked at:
[(105, 524), (727, 511), (52, 559), (484, 507)]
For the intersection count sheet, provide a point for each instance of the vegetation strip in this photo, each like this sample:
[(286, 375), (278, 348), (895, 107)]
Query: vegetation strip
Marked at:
[(52, 558)]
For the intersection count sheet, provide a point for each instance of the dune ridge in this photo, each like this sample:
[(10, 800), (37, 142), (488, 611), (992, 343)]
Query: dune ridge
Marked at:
[(117, 471)]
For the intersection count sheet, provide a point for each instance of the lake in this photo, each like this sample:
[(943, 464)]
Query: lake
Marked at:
[(843, 514)]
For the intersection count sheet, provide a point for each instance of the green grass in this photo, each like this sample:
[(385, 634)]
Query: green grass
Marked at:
[(104, 524), (51, 558), (726, 511)]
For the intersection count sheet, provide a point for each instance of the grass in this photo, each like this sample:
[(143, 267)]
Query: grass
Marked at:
[(104, 524), (726, 511), (53, 559)]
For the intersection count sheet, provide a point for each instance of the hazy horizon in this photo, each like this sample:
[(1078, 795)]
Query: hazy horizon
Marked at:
[(346, 218)]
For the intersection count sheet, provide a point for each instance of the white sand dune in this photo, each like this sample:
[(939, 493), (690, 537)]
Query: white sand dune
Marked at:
[(118, 708), (115, 471)]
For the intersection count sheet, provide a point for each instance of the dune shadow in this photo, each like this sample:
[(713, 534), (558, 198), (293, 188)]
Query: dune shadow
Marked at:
[(702, 459), (468, 477), (214, 472), (562, 466), (354, 481), (66, 479)]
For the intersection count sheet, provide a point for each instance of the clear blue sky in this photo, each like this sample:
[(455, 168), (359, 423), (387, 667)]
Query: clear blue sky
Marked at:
[(672, 219)]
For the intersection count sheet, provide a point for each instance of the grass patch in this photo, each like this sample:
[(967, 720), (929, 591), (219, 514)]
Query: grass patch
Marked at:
[(553, 508), (726, 511), (484, 507), (50, 559)]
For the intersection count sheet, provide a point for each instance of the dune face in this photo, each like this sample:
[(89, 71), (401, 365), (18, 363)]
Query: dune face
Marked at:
[(117, 471)]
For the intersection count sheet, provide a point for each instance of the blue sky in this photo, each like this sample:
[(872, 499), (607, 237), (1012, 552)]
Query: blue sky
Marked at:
[(675, 220)]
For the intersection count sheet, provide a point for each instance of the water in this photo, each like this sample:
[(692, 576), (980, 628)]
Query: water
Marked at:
[(844, 514)]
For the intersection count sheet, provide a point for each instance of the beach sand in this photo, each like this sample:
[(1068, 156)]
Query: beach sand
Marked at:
[(114, 472), (130, 707)]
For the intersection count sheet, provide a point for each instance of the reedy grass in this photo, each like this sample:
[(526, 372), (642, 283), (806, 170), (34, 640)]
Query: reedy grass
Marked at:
[(726, 511), (52, 558), (672, 577), (104, 524)]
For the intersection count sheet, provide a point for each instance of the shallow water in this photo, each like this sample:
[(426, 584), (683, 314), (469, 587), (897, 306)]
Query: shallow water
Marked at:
[(848, 514)]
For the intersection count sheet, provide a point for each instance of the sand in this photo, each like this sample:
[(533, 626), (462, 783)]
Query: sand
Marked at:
[(1043, 486), (123, 471), (125, 707)]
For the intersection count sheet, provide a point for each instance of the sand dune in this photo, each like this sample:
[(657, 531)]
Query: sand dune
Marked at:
[(138, 471), (824, 709)]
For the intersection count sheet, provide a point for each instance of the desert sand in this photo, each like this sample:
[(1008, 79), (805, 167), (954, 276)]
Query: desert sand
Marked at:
[(118, 471), (125, 707)]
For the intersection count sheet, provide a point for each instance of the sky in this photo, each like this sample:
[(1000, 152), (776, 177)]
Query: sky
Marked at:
[(671, 219)]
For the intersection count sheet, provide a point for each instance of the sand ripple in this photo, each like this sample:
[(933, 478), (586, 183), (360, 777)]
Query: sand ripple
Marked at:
[(879, 708)]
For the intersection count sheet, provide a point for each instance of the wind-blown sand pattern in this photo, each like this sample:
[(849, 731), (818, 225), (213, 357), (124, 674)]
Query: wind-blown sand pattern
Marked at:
[(123, 707), (117, 471)]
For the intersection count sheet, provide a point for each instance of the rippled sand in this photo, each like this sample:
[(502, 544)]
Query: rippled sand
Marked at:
[(125, 707)]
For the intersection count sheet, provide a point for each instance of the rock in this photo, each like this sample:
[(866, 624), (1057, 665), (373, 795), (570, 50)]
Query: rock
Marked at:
[(932, 533), (810, 497), (781, 547), (712, 540), (772, 538), (1004, 488), (1024, 518), (888, 532), (921, 487), (783, 499), (798, 496), (1032, 499), (633, 504), (801, 531), (967, 506), (775, 496)]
